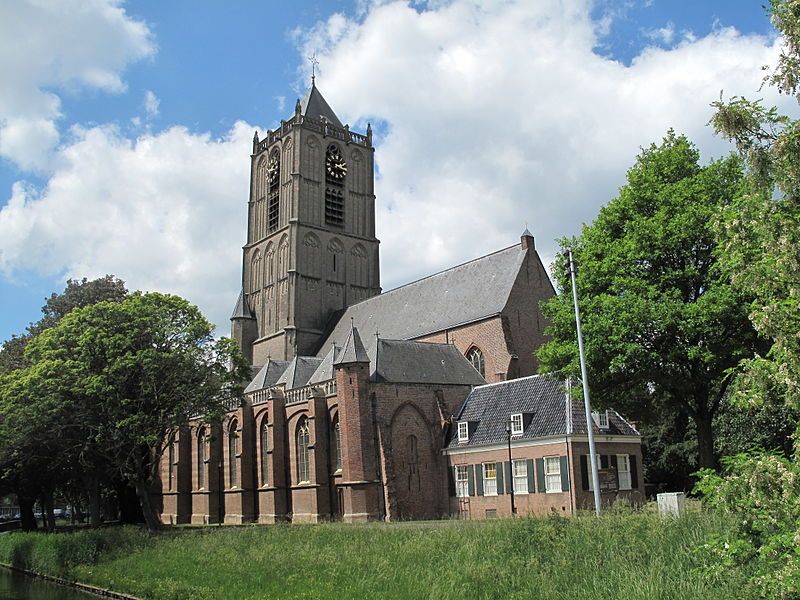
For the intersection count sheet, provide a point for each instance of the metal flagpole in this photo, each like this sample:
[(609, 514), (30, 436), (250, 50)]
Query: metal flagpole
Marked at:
[(586, 401)]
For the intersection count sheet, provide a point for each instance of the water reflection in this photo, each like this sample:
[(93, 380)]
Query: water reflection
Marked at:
[(16, 586)]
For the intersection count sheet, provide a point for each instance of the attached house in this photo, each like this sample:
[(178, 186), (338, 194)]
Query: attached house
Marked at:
[(529, 435)]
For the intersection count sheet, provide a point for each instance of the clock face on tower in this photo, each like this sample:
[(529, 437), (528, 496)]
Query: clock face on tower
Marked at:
[(335, 165), (272, 170)]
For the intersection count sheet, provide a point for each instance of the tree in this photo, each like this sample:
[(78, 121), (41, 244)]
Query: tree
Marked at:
[(761, 251), (137, 369), (662, 322)]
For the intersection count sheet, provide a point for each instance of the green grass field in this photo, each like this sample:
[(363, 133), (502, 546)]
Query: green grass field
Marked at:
[(626, 556)]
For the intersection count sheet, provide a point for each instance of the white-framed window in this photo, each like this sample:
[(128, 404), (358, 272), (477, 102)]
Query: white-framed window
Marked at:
[(516, 424), (552, 474), (490, 479), (624, 471), (463, 431), (462, 481), (520, 468), (601, 419)]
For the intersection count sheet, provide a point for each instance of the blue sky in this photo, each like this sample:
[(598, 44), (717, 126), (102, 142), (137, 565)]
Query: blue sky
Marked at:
[(144, 110)]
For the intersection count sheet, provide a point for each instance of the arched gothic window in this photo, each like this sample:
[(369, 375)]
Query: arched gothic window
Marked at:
[(269, 267), (360, 275), (233, 450), (201, 458), (283, 257), (171, 459), (475, 356), (264, 451), (255, 272), (337, 444), (335, 172), (302, 450), (273, 191)]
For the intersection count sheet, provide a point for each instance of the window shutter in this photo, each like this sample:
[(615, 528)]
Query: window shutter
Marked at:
[(634, 473), (479, 479), (509, 477), (615, 464), (564, 474), (585, 472), (531, 477), (540, 475), (499, 470), (470, 480), (451, 481)]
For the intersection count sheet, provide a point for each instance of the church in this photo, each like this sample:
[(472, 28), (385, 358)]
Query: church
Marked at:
[(355, 392)]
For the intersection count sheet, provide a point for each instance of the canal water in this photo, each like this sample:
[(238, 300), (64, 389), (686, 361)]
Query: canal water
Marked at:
[(16, 586)]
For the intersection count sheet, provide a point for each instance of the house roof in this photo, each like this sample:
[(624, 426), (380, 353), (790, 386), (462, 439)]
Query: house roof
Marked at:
[(463, 294), (267, 376), (315, 106), (543, 397), (242, 309), (299, 371)]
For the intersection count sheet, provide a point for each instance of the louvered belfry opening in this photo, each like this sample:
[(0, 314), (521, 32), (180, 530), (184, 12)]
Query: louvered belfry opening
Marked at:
[(273, 211)]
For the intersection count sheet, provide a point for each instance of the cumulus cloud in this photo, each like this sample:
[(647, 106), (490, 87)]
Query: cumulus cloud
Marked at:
[(487, 115), (665, 35), (497, 113), (163, 212), (151, 104), (46, 47)]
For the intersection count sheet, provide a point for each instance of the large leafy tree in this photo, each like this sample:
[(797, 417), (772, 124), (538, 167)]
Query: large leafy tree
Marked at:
[(135, 370), (762, 229), (661, 320)]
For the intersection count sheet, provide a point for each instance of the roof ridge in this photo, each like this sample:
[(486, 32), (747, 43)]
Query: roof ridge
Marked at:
[(486, 385), (453, 268)]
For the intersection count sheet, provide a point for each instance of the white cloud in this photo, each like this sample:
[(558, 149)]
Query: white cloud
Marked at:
[(497, 113), (665, 35), (488, 115), (151, 104), (163, 212), (47, 47)]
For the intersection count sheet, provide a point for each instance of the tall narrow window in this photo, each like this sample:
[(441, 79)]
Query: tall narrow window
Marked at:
[(475, 356), (337, 445), (171, 459), (462, 481), (264, 451), (489, 479), (233, 450), (335, 171), (273, 191), (552, 473), (302, 450), (520, 477), (624, 471), (201, 459)]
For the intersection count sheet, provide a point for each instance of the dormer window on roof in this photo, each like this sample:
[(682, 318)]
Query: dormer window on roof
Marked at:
[(516, 424), (601, 419), (463, 431)]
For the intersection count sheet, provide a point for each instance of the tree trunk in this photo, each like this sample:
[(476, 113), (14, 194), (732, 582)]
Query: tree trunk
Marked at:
[(48, 518), (146, 502), (705, 439), (26, 513), (93, 487)]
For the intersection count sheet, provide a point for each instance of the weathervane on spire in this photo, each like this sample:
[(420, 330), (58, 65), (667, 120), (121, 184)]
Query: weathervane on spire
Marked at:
[(314, 62)]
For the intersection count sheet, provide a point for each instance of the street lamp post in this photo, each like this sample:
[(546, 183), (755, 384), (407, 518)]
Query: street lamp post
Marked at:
[(510, 481), (586, 401)]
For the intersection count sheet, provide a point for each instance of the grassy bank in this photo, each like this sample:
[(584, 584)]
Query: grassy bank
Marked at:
[(627, 556)]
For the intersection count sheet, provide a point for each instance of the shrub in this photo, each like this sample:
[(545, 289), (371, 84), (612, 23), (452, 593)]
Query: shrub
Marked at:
[(762, 492)]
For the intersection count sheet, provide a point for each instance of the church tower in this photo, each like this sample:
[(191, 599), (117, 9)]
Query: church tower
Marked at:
[(311, 248)]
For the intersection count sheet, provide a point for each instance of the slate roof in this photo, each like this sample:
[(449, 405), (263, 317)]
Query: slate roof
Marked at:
[(267, 376), (463, 294), (242, 309), (400, 361), (489, 407), (315, 106), (299, 371), (353, 350), (324, 371)]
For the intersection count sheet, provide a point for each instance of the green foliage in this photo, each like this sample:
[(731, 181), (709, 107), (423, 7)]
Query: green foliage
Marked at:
[(761, 251), (662, 323), (745, 428), (624, 555), (762, 494)]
